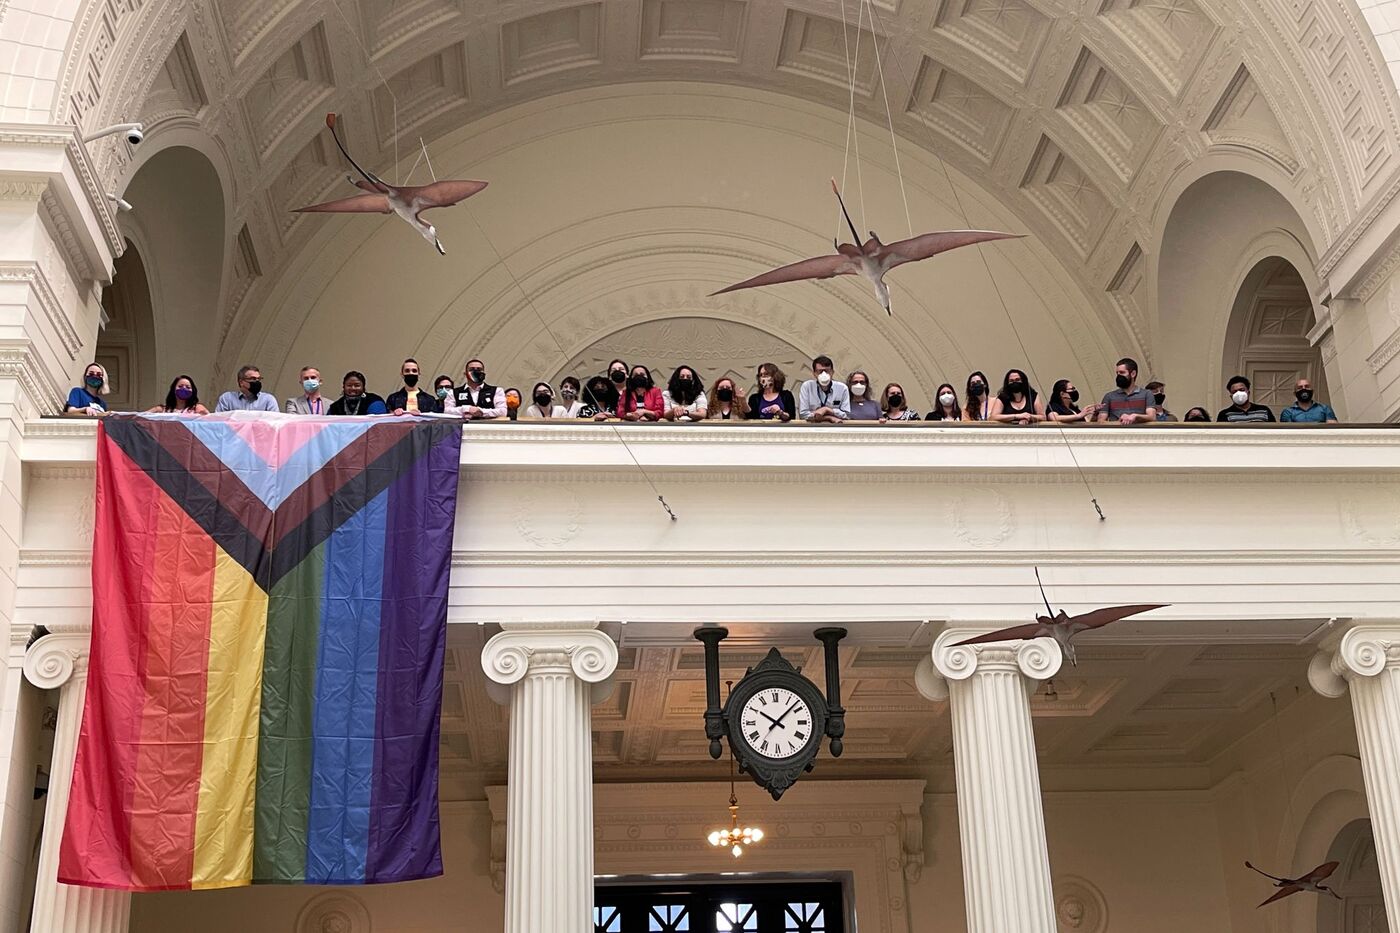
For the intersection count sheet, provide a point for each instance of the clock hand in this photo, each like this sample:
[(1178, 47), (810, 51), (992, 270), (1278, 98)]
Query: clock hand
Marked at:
[(767, 717), (779, 721)]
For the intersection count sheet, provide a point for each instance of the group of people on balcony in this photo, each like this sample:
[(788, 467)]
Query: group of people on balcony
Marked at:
[(630, 393)]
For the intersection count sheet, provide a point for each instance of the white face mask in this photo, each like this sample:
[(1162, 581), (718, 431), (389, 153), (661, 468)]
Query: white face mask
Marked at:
[(857, 388), (1240, 397), (947, 398), (824, 379)]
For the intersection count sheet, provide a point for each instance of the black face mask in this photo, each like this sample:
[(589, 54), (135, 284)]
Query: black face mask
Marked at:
[(1015, 388), (976, 389), (618, 376), (639, 382), (1123, 381), (542, 400), (478, 375), (1160, 397), (896, 400), (255, 387), (1196, 416), (410, 379), (685, 384), (1074, 395), (1303, 395), (724, 395)]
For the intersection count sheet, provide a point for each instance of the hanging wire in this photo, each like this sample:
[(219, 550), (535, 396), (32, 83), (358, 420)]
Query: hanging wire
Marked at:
[(1283, 766), (369, 59), (981, 252)]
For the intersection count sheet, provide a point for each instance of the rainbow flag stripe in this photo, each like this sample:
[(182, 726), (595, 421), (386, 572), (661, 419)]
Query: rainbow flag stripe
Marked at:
[(265, 682)]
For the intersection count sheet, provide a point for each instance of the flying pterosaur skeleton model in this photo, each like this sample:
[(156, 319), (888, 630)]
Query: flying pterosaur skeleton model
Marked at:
[(1059, 626), (409, 202), (1312, 882), (872, 259)]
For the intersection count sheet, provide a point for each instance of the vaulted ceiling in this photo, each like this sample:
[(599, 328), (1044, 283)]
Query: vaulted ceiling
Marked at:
[(1077, 119)]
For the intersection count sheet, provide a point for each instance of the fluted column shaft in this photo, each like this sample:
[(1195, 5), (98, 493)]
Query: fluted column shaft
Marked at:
[(549, 796), (60, 660), (1006, 863), (1366, 660)]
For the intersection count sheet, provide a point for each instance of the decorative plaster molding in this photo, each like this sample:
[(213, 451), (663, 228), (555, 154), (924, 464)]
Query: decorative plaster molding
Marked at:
[(511, 654), (18, 362), (33, 275), (333, 912), (1036, 659), (1364, 650), (1080, 906), (1386, 352), (54, 658)]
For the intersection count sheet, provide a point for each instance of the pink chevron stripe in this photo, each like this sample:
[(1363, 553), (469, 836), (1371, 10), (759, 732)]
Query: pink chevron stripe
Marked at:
[(276, 442)]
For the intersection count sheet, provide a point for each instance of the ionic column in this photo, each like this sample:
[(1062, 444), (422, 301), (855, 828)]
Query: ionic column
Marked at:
[(1006, 865), (551, 671), (60, 660), (1366, 659)]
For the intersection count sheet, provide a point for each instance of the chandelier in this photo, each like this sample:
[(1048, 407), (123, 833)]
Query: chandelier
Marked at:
[(735, 837)]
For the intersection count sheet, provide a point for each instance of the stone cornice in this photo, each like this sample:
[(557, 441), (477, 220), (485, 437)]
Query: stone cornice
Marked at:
[(33, 275), (17, 361), (89, 188)]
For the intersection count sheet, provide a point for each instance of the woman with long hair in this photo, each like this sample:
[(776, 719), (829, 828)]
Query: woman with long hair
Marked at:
[(726, 402), (1063, 406), (894, 405), (684, 396), (772, 401), (1017, 402), (945, 405), (979, 402), (182, 399)]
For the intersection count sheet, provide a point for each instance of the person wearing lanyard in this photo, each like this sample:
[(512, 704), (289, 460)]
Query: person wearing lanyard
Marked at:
[(310, 401), (824, 399)]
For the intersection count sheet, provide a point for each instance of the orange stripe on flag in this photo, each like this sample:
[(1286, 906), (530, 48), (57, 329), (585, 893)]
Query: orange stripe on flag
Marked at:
[(170, 759)]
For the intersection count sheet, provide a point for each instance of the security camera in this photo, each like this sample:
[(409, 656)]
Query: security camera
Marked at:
[(122, 205), (133, 132)]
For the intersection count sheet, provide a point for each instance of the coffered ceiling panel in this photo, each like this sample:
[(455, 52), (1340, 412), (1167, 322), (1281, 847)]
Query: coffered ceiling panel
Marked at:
[(830, 50), (421, 93), (1009, 33), (1067, 195), (693, 29), (297, 83), (1171, 36), (389, 22), (1109, 115), (546, 43), (961, 109)]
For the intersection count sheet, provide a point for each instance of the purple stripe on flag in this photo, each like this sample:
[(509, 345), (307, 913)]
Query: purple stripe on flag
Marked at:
[(404, 837)]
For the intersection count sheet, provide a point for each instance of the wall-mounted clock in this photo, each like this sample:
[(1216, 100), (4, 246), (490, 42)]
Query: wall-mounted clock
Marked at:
[(774, 718)]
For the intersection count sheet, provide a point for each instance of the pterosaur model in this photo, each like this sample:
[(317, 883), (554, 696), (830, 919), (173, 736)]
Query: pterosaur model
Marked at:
[(1059, 626), (1312, 882), (872, 259), (409, 202)]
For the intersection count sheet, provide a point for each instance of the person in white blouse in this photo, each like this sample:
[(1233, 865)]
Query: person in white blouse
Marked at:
[(569, 390), (543, 405), (684, 396)]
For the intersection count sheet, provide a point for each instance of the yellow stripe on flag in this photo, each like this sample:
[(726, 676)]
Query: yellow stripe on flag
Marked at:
[(223, 835)]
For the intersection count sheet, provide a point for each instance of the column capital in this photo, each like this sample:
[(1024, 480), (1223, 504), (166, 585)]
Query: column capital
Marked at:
[(1037, 659), (53, 659), (557, 647), (1365, 649)]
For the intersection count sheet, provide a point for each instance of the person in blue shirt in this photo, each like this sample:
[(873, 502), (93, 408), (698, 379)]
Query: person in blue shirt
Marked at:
[(250, 395), (1305, 409), (85, 401)]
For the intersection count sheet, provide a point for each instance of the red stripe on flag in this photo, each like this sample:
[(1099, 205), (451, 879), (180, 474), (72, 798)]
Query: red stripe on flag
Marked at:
[(132, 806)]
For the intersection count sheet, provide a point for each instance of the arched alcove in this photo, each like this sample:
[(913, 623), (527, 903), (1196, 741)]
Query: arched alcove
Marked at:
[(1219, 230), (126, 344), (1360, 907), (177, 225), (1267, 339)]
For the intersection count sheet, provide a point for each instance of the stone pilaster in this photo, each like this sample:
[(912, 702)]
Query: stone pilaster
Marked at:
[(1006, 863), (551, 671), (60, 661), (1366, 661)]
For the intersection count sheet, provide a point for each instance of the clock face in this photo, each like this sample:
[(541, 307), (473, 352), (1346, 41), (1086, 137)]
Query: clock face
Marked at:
[(777, 723)]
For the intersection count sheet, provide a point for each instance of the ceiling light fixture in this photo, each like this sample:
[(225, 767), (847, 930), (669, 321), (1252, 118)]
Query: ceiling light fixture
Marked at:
[(735, 837)]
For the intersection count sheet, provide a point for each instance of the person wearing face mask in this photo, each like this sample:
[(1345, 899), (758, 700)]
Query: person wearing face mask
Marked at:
[(772, 401), (642, 401), (1159, 400), (182, 399), (1306, 409), (1129, 403), (979, 403), (726, 402), (569, 394), (250, 395), (354, 399), (476, 398), (684, 399), (542, 403), (1064, 404), (1017, 402), (1197, 414), (894, 405), (599, 399), (1242, 409), (310, 401), (512, 403), (824, 399), (410, 399), (85, 401), (445, 391), (945, 405), (863, 407)]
